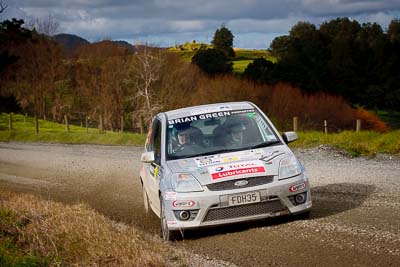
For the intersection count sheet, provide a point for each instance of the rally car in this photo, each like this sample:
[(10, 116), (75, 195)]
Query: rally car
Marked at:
[(217, 164)]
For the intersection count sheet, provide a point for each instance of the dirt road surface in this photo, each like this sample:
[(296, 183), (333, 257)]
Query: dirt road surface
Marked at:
[(355, 219)]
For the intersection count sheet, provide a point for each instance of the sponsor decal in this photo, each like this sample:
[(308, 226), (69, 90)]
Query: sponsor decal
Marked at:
[(183, 203), (210, 110), (155, 172), (170, 195), (241, 111), (243, 171), (149, 136), (228, 157), (271, 155), (297, 187), (171, 222), (235, 169), (251, 114), (199, 117)]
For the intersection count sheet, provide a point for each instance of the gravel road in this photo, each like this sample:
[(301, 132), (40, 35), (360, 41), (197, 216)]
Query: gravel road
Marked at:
[(355, 219)]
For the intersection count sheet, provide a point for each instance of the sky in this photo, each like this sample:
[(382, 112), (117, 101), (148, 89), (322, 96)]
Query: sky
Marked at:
[(254, 23)]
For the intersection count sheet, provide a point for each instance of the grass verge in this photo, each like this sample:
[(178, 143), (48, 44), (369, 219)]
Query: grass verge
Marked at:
[(49, 132), (34, 232), (364, 143)]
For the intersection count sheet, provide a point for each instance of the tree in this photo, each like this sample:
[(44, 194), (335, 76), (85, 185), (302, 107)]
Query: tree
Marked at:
[(394, 31), (145, 74), (223, 41), (2, 7), (260, 70), (100, 75), (302, 57), (212, 61), (47, 25), (280, 46)]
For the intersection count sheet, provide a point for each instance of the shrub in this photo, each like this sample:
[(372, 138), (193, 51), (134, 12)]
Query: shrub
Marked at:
[(371, 121)]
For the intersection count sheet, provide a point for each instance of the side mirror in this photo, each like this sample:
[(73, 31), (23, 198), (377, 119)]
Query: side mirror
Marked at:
[(289, 137), (148, 157)]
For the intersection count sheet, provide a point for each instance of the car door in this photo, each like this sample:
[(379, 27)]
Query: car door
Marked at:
[(153, 170)]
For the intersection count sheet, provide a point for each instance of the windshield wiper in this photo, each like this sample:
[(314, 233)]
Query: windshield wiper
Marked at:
[(265, 144)]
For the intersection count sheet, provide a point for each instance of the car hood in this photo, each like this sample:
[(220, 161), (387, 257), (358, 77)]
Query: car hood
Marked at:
[(234, 165)]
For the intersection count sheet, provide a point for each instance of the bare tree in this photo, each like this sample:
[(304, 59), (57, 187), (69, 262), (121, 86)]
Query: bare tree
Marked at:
[(144, 78), (47, 25), (99, 74), (2, 6)]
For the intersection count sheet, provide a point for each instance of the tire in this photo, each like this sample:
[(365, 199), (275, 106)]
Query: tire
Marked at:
[(166, 234)]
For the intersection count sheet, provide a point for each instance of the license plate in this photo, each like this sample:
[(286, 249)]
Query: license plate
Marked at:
[(246, 198)]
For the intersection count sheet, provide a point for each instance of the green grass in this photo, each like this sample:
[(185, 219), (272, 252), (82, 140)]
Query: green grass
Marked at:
[(50, 132), (365, 143), (242, 56), (12, 252)]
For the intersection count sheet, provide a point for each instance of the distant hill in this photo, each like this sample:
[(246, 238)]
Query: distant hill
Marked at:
[(70, 43), (130, 47)]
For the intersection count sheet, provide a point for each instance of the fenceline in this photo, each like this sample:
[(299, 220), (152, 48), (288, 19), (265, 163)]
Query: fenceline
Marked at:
[(100, 125), (325, 125)]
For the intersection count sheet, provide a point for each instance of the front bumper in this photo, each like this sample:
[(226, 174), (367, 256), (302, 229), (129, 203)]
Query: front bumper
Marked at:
[(211, 208)]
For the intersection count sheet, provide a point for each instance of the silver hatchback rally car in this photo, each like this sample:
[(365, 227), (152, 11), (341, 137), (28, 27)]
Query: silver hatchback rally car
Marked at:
[(218, 164)]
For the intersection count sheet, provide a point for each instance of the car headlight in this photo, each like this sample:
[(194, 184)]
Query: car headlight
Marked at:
[(183, 182), (289, 167)]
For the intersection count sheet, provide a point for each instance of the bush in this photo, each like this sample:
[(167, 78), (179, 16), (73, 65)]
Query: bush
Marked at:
[(212, 61)]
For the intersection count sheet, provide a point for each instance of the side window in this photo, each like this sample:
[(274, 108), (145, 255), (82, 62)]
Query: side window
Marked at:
[(155, 140)]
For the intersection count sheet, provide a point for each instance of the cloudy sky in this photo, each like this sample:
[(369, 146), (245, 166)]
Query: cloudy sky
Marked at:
[(254, 23)]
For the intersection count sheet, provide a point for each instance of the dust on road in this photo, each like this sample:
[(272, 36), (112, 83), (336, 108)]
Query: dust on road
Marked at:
[(355, 219)]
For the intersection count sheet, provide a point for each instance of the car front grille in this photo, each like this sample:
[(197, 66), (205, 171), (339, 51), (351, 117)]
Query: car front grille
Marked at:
[(228, 185), (216, 214)]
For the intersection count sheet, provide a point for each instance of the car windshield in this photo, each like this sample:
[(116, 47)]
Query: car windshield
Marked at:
[(207, 134)]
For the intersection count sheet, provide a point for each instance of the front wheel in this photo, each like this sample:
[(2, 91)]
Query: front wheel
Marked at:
[(166, 234)]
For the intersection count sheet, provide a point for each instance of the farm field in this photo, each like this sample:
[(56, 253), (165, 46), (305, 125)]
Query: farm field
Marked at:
[(242, 58)]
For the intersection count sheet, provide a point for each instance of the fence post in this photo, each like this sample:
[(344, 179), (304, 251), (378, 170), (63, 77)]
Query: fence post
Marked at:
[(36, 124), (101, 124), (66, 123), (25, 121), (295, 124), (122, 124), (358, 126), (87, 126), (141, 124), (10, 122), (326, 126)]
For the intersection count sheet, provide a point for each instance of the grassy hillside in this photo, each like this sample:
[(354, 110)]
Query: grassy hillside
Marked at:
[(242, 58)]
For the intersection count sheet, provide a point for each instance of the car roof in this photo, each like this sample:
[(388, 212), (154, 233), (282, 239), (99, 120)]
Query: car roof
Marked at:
[(210, 108)]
